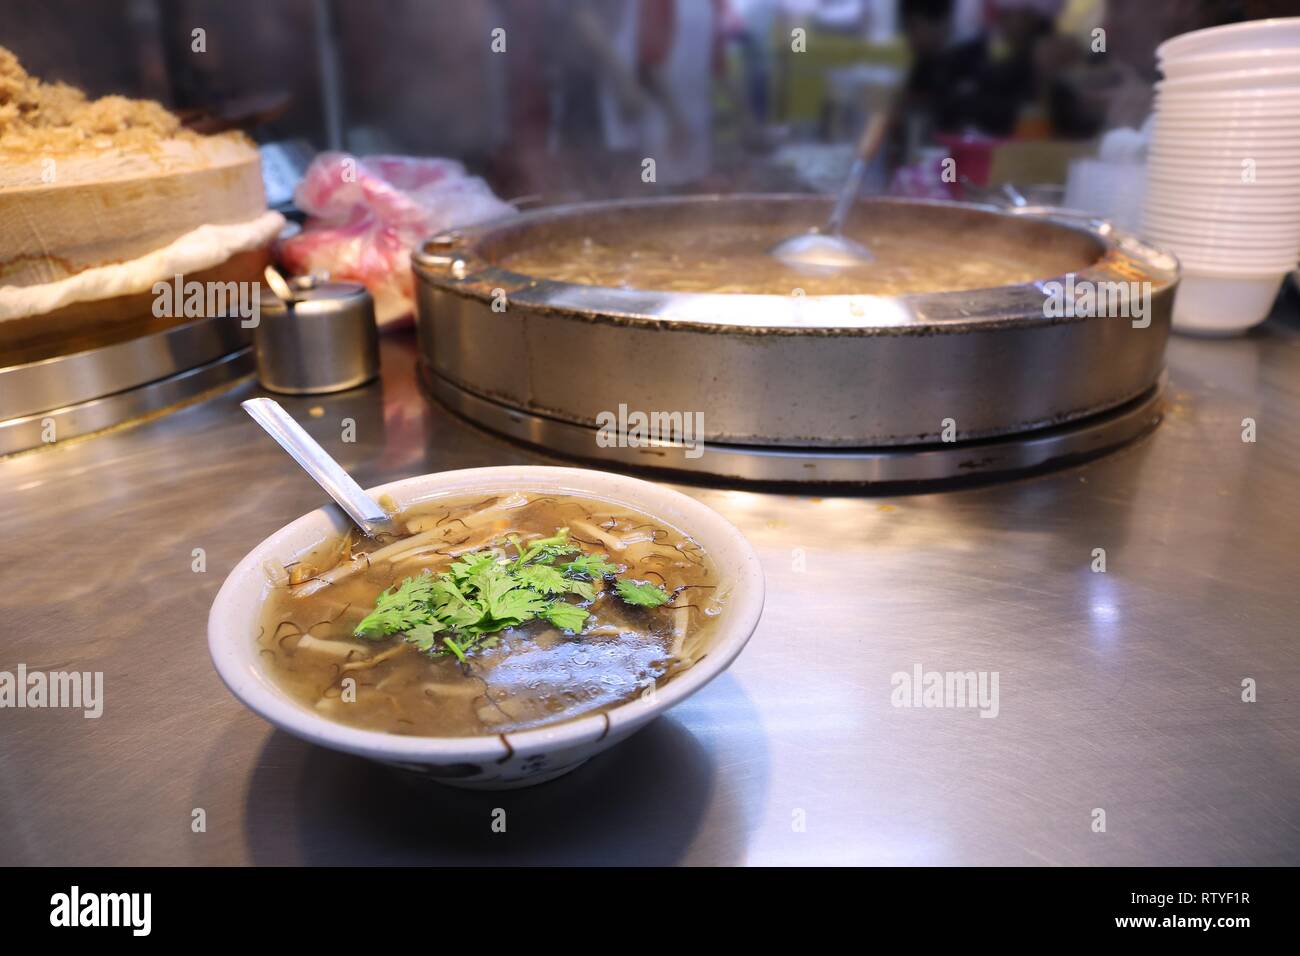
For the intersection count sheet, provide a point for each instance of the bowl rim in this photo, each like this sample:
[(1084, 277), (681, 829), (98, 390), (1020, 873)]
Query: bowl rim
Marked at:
[(1270, 196), (1235, 79), (1195, 60), (1232, 135), (1225, 183), (258, 693), (1267, 196), (1231, 96), (1290, 245), (1193, 43), (1236, 275), (1195, 145), (1215, 214)]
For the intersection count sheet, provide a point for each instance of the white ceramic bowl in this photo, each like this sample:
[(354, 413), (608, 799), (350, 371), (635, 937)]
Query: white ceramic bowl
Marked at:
[(1194, 193), (1224, 255), (1226, 183), (1230, 238), (1279, 169), (1204, 198), (1266, 171), (1273, 59), (1227, 263), (1259, 224), (1222, 138), (1272, 34), (498, 761), (1199, 149), (1287, 249), (1280, 148), (1227, 102), (1247, 127), (1281, 117), (1212, 212), (1218, 231), (1227, 270), (1215, 303), (1276, 142), (1270, 178), (1253, 80), (1246, 198), (1202, 257), (1155, 207)]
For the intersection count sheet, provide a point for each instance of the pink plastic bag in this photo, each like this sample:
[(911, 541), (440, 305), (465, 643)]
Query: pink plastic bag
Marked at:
[(365, 216)]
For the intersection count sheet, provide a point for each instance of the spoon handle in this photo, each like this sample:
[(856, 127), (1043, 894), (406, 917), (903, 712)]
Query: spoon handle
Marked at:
[(848, 195), (316, 461), (869, 143)]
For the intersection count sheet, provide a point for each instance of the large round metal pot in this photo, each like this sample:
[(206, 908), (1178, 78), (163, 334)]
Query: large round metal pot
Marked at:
[(805, 371)]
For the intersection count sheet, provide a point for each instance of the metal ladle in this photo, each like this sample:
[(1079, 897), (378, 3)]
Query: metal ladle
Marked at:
[(366, 512), (827, 248)]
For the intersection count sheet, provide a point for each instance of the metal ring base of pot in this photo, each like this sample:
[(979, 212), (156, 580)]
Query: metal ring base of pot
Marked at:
[(84, 418), (900, 467)]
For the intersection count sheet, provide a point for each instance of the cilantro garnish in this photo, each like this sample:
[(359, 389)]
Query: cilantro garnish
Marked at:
[(589, 566), (641, 593), (485, 592)]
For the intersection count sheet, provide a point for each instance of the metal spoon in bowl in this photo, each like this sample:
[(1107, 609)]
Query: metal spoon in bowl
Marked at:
[(827, 248), (365, 511)]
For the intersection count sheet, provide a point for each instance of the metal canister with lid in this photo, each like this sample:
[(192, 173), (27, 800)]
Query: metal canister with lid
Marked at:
[(319, 337)]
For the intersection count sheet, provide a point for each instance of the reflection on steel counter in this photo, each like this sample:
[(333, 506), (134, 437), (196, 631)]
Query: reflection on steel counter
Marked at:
[(1118, 690)]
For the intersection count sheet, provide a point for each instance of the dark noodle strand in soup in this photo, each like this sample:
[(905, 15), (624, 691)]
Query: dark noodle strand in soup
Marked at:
[(495, 613)]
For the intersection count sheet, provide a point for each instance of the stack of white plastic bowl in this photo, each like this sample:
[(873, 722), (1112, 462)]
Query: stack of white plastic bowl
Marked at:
[(1223, 171)]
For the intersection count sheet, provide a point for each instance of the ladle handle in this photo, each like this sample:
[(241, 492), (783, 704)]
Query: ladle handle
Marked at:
[(869, 143), (316, 461)]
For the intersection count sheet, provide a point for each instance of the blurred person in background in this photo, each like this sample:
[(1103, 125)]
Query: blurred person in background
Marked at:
[(1043, 68), (1096, 90), (598, 86), (927, 29), (986, 83), (667, 49)]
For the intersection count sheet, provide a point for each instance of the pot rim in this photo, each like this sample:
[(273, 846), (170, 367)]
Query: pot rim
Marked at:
[(452, 262)]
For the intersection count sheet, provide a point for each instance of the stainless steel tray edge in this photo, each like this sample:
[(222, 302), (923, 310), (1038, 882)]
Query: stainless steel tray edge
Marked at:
[(95, 373)]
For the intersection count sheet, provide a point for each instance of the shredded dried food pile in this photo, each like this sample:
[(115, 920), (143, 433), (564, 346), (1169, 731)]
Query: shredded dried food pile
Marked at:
[(38, 117)]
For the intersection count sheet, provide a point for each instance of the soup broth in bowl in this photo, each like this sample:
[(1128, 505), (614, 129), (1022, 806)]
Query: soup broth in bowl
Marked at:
[(498, 613), (525, 619)]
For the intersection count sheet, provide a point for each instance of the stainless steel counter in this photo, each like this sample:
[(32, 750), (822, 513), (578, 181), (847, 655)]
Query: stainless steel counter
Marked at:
[(1119, 691)]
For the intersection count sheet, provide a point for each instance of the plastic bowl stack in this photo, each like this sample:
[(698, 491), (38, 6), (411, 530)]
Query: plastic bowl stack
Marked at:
[(1223, 169)]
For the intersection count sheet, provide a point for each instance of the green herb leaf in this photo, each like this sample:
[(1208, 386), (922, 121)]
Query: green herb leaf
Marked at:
[(484, 592), (399, 609), (543, 578), (590, 566), (641, 593), (471, 569), (565, 616), (423, 636), (512, 608), (546, 550)]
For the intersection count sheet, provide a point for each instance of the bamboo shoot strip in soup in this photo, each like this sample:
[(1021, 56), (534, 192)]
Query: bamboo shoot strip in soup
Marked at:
[(495, 613)]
